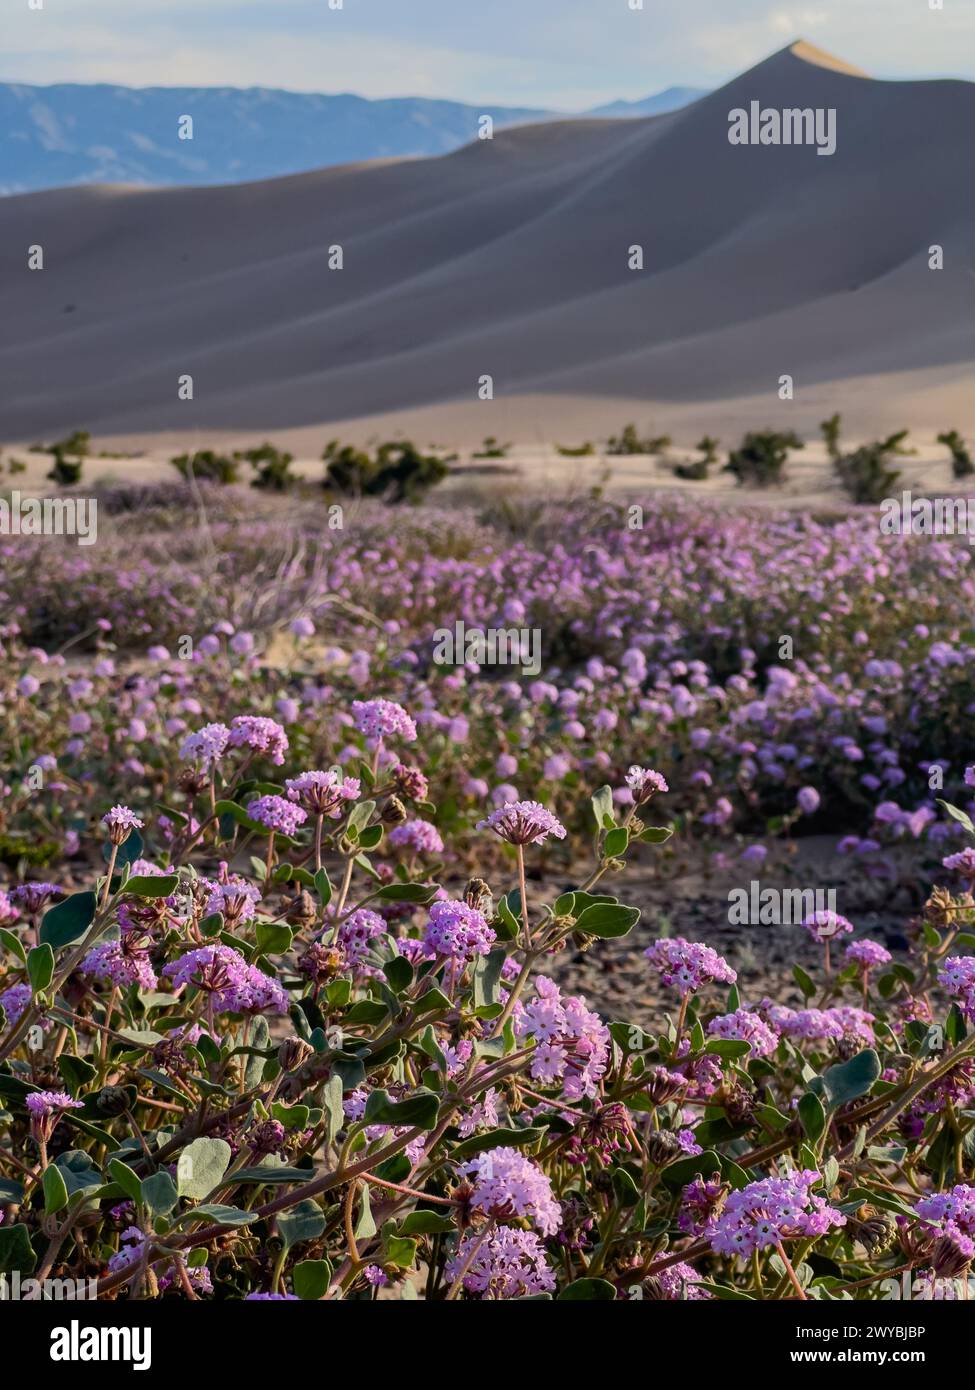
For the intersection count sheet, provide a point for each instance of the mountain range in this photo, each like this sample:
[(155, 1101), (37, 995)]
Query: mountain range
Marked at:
[(77, 134)]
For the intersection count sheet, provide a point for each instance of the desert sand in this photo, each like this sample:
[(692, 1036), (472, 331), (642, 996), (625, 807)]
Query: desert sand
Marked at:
[(509, 258)]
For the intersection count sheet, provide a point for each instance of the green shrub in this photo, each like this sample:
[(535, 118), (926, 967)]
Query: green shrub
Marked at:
[(629, 442), (271, 466), (961, 460), (578, 451), (69, 455), (866, 475), (698, 469), (491, 449), (206, 466), (397, 473), (761, 459)]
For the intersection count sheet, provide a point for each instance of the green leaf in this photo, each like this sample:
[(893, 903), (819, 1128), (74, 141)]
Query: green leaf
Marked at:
[(200, 1167), (487, 976), (497, 1138), (360, 817), (152, 885), (76, 1072), (78, 1171), (310, 1279), (258, 1037), (803, 981), (728, 1047), (685, 1170), (40, 967), (323, 887), (159, 1193), (656, 834), (128, 1180), (16, 1251), (303, 1222), (291, 1116), (14, 945), (274, 938), (68, 921), (55, 1190), (608, 920), (812, 1116), (587, 1291), (399, 973), (426, 1223), (850, 1080), (603, 809), (419, 893), (419, 1110), (221, 1215), (399, 1252), (272, 1174), (616, 842)]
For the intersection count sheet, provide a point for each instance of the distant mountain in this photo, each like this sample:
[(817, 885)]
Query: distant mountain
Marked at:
[(670, 100), (78, 134)]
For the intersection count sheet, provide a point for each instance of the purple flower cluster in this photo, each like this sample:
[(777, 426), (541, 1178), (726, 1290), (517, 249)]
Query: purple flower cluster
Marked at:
[(383, 719), (323, 793), (867, 954), (456, 930), (507, 1263), (957, 978), (765, 1213), (572, 1044), (206, 747), (644, 783), (745, 1027), (523, 823), (417, 836), (825, 924), (507, 1186), (356, 934), (274, 813), (688, 965), (263, 735), (236, 986), (122, 963)]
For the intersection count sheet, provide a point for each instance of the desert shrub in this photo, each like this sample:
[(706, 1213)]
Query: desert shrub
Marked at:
[(397, 472), (271, 466), (866, 474), (699, 469), (760, 460), (830, 430), (207, 466), (577, 451), (629, 442), (69, 455), (961, 460), (491, 448)]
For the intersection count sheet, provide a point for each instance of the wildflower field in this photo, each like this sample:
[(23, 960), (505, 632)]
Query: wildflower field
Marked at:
[(294, 910)]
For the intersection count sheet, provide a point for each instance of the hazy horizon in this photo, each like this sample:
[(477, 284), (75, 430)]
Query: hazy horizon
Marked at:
[(572, 54)]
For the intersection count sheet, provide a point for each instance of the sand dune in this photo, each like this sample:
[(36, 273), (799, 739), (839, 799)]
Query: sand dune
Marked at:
[(509, 258)]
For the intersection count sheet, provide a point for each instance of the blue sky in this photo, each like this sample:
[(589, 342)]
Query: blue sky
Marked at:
[(561, 53)]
